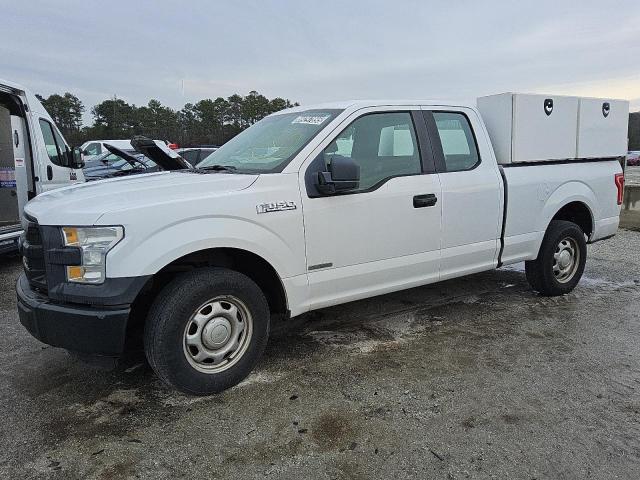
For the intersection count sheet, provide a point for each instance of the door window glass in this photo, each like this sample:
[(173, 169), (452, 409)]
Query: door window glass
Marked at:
[(55, 153), (62, 147), (384, 145), (458, 144)]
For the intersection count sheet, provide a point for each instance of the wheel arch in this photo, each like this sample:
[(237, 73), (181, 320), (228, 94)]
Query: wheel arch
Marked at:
[(578, 213), (241, 260), (244, 261), (575, 202)]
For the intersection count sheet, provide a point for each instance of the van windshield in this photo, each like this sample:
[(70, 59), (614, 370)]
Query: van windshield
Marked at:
[(270, 144)]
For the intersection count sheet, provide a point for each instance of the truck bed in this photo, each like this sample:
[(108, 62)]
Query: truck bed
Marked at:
[(535, 193)]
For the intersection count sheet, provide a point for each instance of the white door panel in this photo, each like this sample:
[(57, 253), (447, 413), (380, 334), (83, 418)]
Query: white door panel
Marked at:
[(20, 139), (467, 259), (364, 280), (471, 195), (349, 229), (52, 151), (372, 241), (470, 219), (372, 228)]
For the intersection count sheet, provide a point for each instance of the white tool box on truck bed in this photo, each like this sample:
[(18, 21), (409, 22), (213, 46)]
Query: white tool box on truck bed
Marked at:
[(542, 128)]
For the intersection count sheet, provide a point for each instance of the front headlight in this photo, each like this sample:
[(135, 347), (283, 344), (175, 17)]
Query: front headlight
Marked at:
[(94, 243)]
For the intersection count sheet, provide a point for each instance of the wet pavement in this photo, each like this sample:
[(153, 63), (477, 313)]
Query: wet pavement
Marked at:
[(472, 378)]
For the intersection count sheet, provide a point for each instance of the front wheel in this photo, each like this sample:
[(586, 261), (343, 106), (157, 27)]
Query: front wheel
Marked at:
[(206, 330), (561, 260)]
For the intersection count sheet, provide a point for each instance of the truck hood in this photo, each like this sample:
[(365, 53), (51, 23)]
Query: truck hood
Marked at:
[(159, 153), (85, 203)]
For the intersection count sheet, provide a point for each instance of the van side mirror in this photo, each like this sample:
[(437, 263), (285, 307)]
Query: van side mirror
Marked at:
[(343, 175), (77, 159)]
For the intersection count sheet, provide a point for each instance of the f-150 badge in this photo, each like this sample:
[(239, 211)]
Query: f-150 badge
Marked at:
[(276, 206)]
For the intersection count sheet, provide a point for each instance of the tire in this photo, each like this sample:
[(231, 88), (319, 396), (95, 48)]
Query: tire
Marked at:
[(195, 319), (549, 274)]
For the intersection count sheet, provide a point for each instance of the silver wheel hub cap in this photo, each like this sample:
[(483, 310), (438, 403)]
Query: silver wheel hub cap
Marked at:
[(217, 334), (566, 260)]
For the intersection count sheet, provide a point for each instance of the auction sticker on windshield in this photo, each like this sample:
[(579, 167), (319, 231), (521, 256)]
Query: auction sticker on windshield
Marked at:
[(310, 119)]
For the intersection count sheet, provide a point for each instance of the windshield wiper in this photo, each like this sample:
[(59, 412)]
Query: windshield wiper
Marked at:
[(219, 168)]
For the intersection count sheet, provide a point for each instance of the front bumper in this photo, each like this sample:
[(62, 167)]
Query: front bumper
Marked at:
[(79, 328)]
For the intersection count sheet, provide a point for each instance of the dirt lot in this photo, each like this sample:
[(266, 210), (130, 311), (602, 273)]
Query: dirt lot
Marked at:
[(472, 378)]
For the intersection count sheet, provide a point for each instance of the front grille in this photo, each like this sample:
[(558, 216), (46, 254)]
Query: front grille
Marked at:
[(33, 256)]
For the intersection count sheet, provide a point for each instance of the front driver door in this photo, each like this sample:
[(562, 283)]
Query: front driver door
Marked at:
[(56, 172), (385, 235)]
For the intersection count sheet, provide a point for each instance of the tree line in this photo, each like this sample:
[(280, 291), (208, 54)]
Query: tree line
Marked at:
[(207, 122)]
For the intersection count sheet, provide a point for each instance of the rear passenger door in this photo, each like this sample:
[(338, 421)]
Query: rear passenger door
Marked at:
[(384, 235), (471, 192)]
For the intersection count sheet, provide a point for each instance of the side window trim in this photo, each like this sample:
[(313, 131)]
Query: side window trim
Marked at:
[(61, 146), (434, 136), (425, 154), (424, 143)]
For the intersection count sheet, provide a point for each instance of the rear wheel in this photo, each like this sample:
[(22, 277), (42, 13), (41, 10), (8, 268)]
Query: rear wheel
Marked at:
[(561, 259), (206, 330)]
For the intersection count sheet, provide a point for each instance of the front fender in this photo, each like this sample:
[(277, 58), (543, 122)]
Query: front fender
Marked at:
[(147, 255)]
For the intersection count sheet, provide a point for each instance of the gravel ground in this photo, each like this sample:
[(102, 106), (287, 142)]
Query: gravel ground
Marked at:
[(471, 378)]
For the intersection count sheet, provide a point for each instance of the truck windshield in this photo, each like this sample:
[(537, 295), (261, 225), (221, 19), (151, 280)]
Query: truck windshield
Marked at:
[(270, 144)]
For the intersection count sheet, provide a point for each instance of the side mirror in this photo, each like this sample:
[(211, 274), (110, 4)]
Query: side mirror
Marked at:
[(343, 175), (77, 160)]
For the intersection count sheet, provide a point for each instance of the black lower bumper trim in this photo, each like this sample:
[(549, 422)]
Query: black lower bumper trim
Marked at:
[(73, 327)]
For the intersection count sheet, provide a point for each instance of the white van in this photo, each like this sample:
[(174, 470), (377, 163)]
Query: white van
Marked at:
[(34, 158)]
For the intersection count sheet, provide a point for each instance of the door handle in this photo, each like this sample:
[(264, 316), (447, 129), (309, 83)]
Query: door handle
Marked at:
[(49, 172), (427, 200)]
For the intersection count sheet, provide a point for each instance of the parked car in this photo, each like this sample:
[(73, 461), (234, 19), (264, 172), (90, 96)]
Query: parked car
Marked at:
[(195, 155), (92, 149), (633, 159), (316, 206), (118, 163), (104, 159)]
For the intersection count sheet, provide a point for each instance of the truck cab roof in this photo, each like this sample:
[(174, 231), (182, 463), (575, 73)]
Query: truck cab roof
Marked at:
[(357, 104)]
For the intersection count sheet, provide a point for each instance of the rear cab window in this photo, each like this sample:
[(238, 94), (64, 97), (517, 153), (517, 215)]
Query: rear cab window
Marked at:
[(452, 135)]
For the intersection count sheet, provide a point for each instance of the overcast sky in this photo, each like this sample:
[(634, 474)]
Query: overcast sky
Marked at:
[(315, 51)]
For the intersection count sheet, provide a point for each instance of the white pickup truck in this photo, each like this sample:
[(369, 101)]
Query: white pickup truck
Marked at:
[(317, 206)]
